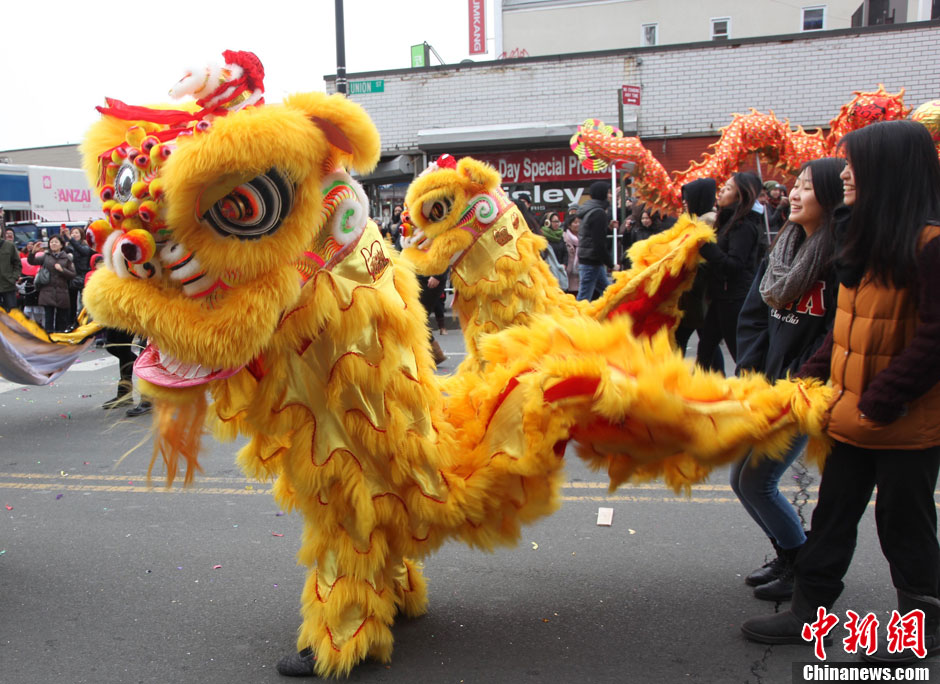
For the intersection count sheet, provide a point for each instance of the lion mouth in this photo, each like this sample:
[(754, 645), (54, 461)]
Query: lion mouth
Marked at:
[(163, 370)]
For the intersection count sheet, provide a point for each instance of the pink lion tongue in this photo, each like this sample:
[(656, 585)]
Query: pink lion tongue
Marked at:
[(152, 368)]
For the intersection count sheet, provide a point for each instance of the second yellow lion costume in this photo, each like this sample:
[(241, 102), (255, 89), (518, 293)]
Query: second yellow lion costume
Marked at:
[(458, 215)]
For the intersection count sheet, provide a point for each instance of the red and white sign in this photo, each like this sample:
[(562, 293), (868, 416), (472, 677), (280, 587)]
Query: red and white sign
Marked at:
[(539, 166), (62, 190), (477, 27), (631, 95)]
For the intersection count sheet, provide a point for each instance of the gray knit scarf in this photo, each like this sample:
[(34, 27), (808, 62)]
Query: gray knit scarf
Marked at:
[(792, 267)]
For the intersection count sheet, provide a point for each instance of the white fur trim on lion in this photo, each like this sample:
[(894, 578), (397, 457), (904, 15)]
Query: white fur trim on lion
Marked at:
[(345, 207), (107, 252), (485, 208)]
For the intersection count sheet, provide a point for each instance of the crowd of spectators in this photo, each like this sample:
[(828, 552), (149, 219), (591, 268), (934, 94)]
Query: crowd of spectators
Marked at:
[(45, 278)]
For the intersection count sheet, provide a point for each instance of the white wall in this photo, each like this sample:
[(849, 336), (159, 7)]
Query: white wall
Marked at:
[(549, 28), (686, 91)]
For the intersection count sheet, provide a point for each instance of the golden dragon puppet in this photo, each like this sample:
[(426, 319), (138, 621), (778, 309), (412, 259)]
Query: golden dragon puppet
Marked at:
[(458, 215), (238, 244), (598, 145)]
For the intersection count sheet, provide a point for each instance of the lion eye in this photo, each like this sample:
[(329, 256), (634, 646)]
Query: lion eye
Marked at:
[(253, 209), (438, 209)]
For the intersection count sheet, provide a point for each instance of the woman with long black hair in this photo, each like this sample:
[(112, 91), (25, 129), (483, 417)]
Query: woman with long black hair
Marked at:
[(785, 318), (732, 262), (882, 360)]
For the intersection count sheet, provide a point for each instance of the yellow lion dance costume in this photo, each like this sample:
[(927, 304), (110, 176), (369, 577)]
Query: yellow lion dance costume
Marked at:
[(239, 245), (458, 215)]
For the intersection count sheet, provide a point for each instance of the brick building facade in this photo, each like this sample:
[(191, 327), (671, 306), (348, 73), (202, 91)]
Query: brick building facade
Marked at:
[(688, 92)]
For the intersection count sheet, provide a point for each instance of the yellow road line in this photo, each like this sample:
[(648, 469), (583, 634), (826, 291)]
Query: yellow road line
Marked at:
[(157, 489), (117, 478), (241, 480), (143, 489)]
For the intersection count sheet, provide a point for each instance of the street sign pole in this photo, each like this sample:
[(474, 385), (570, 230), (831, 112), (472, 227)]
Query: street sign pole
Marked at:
[(613, 194), (340, 49), (621, 192)]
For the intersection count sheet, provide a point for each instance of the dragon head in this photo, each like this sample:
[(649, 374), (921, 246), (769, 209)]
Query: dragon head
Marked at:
[(217, 213), (865, 109), (447, 208)]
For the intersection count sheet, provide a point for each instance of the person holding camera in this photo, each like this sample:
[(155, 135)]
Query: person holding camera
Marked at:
[(52, 282)]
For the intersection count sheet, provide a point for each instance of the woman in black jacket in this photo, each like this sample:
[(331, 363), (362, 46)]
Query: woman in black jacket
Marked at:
[(732, 262), (785, 318), (594, 257), (81, 253)]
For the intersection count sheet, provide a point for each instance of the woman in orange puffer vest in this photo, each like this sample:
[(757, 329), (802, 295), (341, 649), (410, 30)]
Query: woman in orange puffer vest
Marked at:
[(882, 360)]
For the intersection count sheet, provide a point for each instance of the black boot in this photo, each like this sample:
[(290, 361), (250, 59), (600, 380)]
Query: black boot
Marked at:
[(906, 603), (297, 664), (786, 627), (768, 572), (123, 398), (781, 588)]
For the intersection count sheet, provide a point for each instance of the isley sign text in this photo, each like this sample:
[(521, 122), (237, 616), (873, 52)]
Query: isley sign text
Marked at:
[(549, 195)]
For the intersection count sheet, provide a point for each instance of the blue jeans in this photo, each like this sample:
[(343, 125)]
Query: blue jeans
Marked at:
[(591, 277), (755, 480)]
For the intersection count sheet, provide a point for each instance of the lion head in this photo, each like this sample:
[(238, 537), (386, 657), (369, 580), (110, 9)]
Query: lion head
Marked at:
[(447, 208), (217, 215)]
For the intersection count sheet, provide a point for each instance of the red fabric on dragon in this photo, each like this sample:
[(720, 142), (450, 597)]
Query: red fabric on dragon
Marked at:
[(599, 145)]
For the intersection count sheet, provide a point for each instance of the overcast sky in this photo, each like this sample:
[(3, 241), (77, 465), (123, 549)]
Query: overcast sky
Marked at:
[(59, 60)]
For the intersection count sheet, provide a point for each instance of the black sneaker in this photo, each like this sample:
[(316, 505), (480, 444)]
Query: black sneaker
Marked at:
[(118, 401), (142, 409), (297, 664), (768, 572)]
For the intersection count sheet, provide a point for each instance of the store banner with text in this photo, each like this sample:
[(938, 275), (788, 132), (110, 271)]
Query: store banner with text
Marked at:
[(535, 166), (553, 179), (477, 27)]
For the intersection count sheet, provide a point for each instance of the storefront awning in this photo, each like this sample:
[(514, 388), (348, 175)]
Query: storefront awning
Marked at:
[(62, 215), (500, 135), (395, 169)]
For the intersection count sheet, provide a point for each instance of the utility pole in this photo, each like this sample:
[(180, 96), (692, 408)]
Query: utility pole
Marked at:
[(340, 49)]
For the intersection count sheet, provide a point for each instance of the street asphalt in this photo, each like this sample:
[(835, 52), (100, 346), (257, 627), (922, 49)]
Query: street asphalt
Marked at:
[(104, 579)]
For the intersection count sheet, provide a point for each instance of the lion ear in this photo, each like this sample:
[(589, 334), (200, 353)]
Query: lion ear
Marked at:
[(479, 172), (103, 136), (346, 128)]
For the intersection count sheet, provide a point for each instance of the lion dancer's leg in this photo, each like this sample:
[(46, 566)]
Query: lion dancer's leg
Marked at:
[(411, 589), (352, 593)]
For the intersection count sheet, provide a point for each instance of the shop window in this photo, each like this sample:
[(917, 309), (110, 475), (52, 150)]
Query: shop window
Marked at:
[(814, 18)]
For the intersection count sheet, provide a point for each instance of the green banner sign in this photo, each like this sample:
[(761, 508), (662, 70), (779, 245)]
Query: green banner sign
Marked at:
[(365, 87), (417, 56)]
